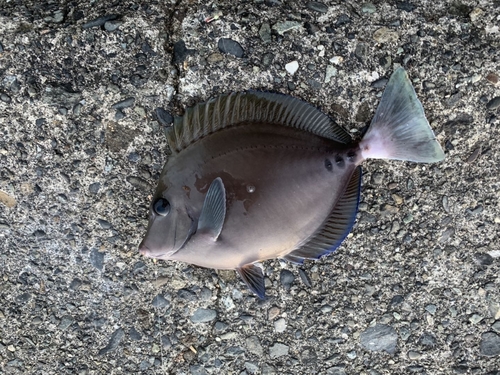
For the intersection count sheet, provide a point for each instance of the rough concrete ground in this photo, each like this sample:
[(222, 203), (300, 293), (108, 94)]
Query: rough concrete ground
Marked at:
[(413, 289)]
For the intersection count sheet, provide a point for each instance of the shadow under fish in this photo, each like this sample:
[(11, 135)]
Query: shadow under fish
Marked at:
[(256, 176)]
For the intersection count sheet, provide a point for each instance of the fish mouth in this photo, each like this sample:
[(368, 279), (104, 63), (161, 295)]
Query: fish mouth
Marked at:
[(144, 250)]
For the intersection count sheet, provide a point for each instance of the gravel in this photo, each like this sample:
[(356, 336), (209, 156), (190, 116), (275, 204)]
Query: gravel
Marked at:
[(414, 288)]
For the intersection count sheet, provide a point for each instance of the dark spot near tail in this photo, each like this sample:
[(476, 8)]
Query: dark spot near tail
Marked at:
[(339, 160), (328, 165)]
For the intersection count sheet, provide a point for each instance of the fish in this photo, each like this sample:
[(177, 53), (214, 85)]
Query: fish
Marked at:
[(254, 176)]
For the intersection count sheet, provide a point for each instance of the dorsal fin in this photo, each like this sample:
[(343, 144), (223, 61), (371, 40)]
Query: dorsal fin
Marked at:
[(251, 106), (336, 227)]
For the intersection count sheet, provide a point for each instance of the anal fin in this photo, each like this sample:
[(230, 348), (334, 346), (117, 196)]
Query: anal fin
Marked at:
[(336, 227), (254, 278)]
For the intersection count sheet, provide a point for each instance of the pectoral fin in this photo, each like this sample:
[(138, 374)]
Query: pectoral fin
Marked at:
[(213, 212), (254, 278)]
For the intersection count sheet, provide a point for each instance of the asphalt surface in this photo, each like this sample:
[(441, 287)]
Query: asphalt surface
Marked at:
[(86, 90)]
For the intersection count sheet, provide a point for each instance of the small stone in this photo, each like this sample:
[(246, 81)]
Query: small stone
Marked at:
[(99, 21), (278, 350), (475, 318), (126, 103), (397, 199), (138, 182), (380, 83), (474, 155), (215, 58), (427, 340), (492, 78), (308, 355), (496, 326), (406, 6), (414, 355), (337, 60), (377, 178), (114, 341), (7, 200), (360, 51), (230, 47), (97, 259), (163, 117), (493, 103), (181, 52), (160, 301), (112, 25), (203, 315), (273, 313), (253, 346), (490, 344), (475, 14), (228, 303), (331, 71), (483, 259), (292, 67), (431, 309), (280, 325), (286, 279), (385, 35), (368, 8), (317, 6), (447, 234), (197, 370), (5, 98), (380, 337), (66, 322), (283, 27), (135, 335), (265, 32), (304, 277), (251, 367)]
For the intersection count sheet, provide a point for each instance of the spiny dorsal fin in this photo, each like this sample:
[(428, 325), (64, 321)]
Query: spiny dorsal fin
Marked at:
[(336, 227), (213, 212), (251, 106)]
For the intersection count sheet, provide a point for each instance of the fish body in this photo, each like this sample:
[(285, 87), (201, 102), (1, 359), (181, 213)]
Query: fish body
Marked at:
[(257, 176)]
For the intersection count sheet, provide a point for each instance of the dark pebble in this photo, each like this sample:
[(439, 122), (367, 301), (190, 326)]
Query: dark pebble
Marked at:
[(396, 300), (406, 6), (163, 117), (63, 111), (343, 20), (139, 267), (138, 182), (490, 344), (483, 259), (97, 259), (119, 115), (75, 284), (267, 59), (380, 337), (380, 83), (360, 51), (311, 28), (40, 121), (160, 301), (304, 277), (286, 279), (99, 21), (427, 340), (231, 47), (134, 157), (180, 52), (114, 341), (197, 370), (317, 6), (187, 294), (166, 342), (493, 103), (94, 188), (23, 298), (39, 233), (66, 322), (129, 102), (1, 48), (203, 315), (112, 25), (5, 98)]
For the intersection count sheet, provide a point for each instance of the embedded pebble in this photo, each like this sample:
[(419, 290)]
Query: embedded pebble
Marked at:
[(385, 35), (7, 199), (283, 27), (280, 325), (253, 346), (490, 344), (114, 341), (265, 32), (368, 8), (413, 355), (97, 259), (230, 47), (278, 350), (292, 67), (163, 117), (380, 337), (203, 315), (492, 78), (286, 278), (273, 312), (99, 21), (160, 301), (493, 103), (331, 71), (317, 6), (126, 103)]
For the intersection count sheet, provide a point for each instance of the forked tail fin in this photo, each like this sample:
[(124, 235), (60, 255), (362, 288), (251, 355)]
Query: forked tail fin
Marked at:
[(399, 129)]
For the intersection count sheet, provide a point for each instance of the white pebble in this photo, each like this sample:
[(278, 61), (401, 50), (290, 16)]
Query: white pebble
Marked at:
[(292, 67)]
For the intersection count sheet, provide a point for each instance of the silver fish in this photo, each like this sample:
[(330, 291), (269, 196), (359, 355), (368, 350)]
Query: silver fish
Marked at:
[(256, 176)]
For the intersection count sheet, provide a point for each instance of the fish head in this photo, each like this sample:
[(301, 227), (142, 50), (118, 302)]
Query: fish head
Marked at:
[(170, 225)]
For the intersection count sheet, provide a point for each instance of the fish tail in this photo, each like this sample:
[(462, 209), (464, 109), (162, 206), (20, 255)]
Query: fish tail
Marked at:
[(399, 129)]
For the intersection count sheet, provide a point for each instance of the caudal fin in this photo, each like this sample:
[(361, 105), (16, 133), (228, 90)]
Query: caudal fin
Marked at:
[(399, 129)]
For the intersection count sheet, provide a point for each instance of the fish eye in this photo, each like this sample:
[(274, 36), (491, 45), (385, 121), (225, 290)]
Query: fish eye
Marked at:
[(161, 207), (339, 160)]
